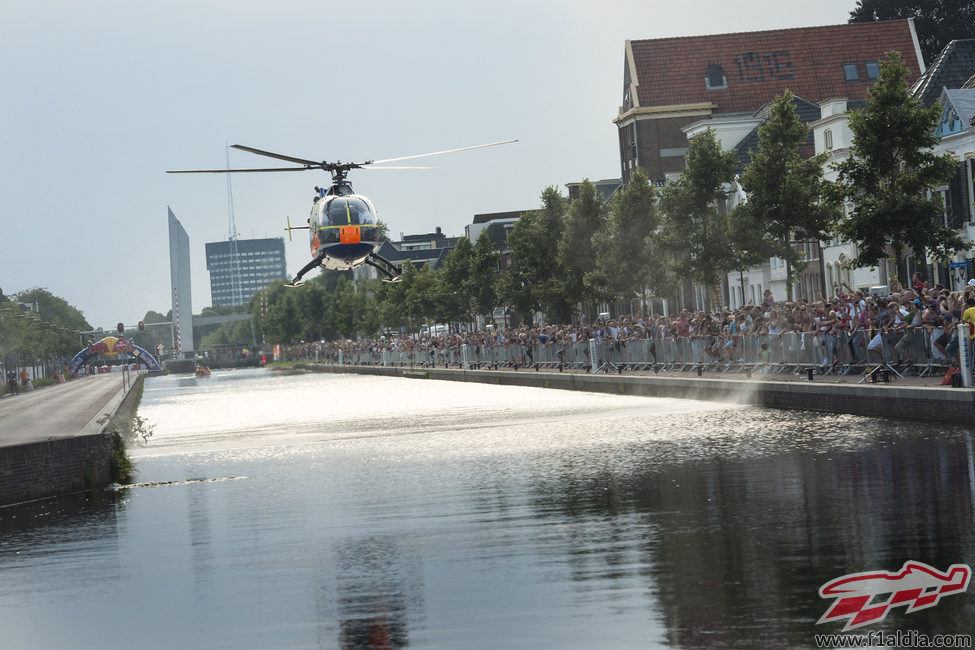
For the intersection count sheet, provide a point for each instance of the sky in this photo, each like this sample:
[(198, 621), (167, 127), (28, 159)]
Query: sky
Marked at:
[(98, 99)]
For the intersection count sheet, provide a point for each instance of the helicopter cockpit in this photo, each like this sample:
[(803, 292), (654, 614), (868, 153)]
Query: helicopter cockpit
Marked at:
[(346, 225)]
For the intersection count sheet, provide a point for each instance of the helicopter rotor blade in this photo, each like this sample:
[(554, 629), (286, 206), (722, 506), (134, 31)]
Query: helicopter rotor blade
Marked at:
[(437, 153), (271, 154), (235, 171), (397, 167), (335, 168)]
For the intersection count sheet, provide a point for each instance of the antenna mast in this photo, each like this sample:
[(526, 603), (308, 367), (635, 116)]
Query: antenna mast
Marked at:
[(235, 279)]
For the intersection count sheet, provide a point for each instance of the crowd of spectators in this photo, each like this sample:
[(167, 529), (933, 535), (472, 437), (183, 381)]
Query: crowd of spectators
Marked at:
[(912, 326)]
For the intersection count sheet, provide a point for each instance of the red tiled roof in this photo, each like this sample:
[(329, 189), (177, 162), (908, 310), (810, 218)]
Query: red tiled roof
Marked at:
[(760, 65)]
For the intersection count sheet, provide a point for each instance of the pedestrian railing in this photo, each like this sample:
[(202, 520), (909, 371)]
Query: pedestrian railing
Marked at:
[(864, 352)]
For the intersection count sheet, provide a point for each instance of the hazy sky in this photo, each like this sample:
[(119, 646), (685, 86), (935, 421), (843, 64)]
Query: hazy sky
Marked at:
[(100, 98)]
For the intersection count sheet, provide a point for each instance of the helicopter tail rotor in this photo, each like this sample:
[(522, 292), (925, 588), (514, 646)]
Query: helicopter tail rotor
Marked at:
[(289, 228)]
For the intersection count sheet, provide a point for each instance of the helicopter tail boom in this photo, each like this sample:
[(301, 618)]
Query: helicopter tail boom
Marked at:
[(289, 228)]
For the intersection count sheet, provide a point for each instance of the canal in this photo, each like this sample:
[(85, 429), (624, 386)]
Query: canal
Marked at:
[(339, 511)]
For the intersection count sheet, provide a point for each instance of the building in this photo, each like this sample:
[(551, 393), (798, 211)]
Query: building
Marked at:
[(675, 88), (950, 83), (606, 187), (179, 275), (498, 225), (258, 263), (426, 248), (670, 83), (957, 132)]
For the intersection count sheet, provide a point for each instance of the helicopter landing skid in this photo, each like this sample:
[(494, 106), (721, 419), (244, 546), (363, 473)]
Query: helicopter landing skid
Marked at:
[(297, 282), (384, 266)]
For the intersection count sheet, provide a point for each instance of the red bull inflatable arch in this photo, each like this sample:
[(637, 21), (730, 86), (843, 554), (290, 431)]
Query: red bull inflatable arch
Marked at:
[(111, 346)]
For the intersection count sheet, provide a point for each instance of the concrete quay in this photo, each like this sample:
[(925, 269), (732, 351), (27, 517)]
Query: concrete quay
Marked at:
[(53, 439), (909, 398)]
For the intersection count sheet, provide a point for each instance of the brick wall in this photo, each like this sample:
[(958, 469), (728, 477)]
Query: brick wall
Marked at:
[(662, 134), (52, 467)]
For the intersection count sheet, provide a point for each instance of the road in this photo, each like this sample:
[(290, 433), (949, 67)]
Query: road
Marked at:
[(78, 407)]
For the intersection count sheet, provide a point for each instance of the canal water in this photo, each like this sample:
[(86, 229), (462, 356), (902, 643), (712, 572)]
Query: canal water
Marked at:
[(342, 511)]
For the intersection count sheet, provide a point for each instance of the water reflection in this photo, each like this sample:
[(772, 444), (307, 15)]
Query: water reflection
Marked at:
[(380, 589), (734, 550), (479, 516)]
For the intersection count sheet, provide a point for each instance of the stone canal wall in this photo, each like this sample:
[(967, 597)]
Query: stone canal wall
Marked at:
[(69, 464), (41, 469), (914, 402)]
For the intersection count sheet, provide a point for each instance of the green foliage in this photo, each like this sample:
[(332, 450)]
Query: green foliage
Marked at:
[(392, 300), (889, 173), (49, 333), (936, 21), (55, 310), (122, 467), (788, 198), (536, 280), (234, 333), (483, 275), (626, 263), (456, 290), (280, 323), (576, 254), (695, 227), (423, 296), (515, 284)]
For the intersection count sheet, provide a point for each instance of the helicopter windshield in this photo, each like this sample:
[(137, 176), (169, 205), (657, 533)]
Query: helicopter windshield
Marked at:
[(337, 213), (350, 211)]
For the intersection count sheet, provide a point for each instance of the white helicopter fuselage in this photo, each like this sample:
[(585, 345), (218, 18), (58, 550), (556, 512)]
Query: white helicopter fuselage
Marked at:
[(343, 229)]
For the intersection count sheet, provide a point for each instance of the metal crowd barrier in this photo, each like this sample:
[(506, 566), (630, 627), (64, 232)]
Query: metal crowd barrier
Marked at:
[(865, 352)]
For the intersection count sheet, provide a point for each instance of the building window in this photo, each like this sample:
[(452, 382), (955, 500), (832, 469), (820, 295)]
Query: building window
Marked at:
[(873, 70), (636, 151), (828, 138), (715, 79), (850, 72)]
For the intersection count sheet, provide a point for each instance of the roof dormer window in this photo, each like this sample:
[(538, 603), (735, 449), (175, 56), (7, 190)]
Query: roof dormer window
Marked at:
[(715, 79)]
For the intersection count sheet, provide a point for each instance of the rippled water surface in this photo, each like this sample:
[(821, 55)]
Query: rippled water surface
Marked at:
[(385, 512)]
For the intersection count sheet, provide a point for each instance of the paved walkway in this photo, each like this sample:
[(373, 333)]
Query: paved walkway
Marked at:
[(78, 407)]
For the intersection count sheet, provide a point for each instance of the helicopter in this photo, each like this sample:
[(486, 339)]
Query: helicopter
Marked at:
[(343, 227)]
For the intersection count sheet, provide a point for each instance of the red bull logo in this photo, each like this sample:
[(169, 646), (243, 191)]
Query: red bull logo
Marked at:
[(866, 598), (108, 346)]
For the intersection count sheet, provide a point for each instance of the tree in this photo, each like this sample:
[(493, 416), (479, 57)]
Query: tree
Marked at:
[(890, 170), (54, 309), (576, 255), (535, 280), (484, 264), (455, 275), (625, 259), (422, 300), (936, 21), (392, 297), (695, 223), (45, 335), (347, 308), (280, 322), (787, 197), (515, 282)]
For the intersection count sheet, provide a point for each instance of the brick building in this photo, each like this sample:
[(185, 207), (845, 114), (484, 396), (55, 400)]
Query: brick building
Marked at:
[(670, 83)]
